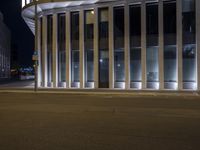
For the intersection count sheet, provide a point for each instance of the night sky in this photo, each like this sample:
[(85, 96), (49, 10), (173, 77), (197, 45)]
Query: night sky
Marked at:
[(21, 34)]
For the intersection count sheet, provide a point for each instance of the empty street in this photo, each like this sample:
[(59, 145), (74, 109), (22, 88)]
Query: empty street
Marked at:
[(57, 121)]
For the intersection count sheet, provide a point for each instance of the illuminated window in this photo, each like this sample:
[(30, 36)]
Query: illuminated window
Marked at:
[(152, 45), (89, 47), (170, 50), (135, 46)]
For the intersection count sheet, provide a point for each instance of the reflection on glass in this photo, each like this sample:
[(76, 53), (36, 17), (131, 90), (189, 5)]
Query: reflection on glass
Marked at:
[(41, 48), (49, 48), (103, 49), (135, 45), (89, 47), (189, 44), (119, 72), (189, 63), (152, 45), (170, 51), (152, 64), (75, 49), (61, 48)]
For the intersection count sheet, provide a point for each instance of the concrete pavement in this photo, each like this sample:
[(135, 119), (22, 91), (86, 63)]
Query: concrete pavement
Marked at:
[(16, 84)]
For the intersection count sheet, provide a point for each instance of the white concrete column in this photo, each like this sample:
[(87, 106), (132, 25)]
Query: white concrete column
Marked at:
[(44, 50), (55, 50), (82, 52), (111, 49), (127, 46), (179, 44), (68, 50), (161, 45), (96, 49), (143, 43), (39, 53), (198, 41)]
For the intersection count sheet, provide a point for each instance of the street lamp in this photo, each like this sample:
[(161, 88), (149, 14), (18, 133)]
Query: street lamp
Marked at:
[(35, 55)]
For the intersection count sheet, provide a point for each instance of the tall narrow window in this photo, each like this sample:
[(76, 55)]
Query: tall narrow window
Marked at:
[(89, 48), (189, 44), (49, 49), (135, 46), (152, 45), (75, 65), (61, 50), (103, 49), (41, 51), (170, 50), (119, 72)]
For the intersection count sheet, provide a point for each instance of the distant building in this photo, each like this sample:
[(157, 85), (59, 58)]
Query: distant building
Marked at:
[(14, 56), (117, 44), (5, 43)]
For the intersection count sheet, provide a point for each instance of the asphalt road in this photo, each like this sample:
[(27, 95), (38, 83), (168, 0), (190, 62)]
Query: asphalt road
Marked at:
[(46, 121)]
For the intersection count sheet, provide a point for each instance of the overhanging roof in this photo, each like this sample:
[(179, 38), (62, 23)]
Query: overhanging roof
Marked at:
[(28, 11)]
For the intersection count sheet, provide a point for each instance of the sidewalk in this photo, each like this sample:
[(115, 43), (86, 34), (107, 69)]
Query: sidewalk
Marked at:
[(102, 92), (28, 87), (16, 83)]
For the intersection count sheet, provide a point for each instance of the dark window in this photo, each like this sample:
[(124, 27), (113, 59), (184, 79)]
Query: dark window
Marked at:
[(61, 48), (189, 42), (152, 44), (103, 49), (135, 44), (89, 46), (170, 50), (119, 71), (75, 48), (49, 47)]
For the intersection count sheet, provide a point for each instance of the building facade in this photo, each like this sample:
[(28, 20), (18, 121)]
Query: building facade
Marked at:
[(5, 43), (117, 44)]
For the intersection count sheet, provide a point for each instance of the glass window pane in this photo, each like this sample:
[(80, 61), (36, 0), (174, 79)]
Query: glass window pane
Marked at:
[(135, 46), (152, 64), (152, 24), (170, 50), (103, 49), (75, 49), (41, 48), (119, 72), (189, 44), (189, 63), (61, 48), (152, 45), (170, 63), (49, 48), (89, 47), (135, 26), (135, 65), (75, 66)]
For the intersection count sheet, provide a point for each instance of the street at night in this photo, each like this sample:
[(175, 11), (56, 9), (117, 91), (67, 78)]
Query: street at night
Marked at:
[(100, 75), (46, 121)]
